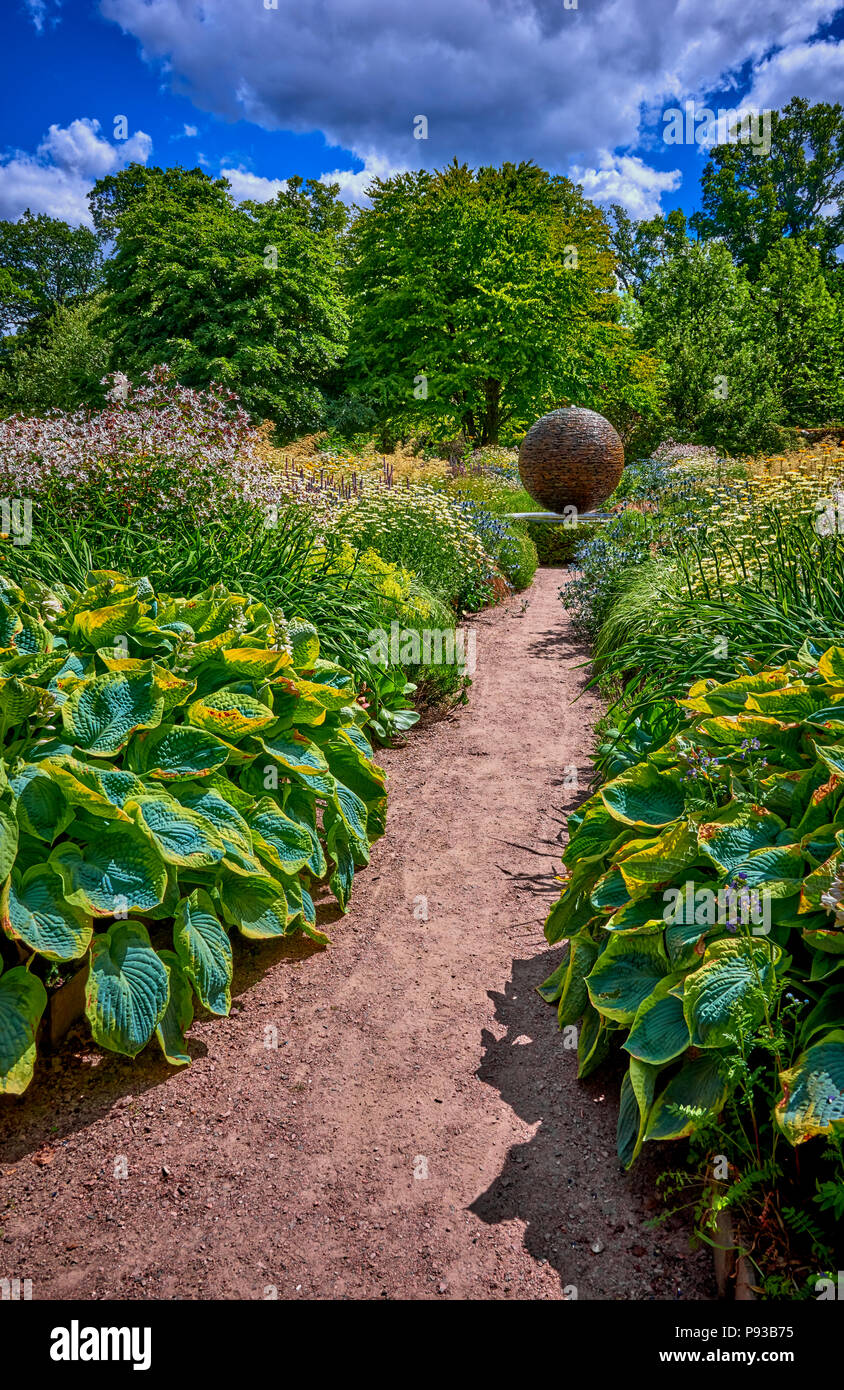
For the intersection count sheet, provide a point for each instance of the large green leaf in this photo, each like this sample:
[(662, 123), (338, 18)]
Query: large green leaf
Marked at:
[(23, 1000), (102, 791), (230, 715), (102, 712), (9, 831), (737, 830), (737, 973), (626, 973), (659, 1032), (813, 1091), (184, 837), (42, 809), (122, 871), (178, 1016), (34, 910), (637, 1094), (256, 906), (302, 760), (643, 796), (697, 1092), (282, 842), (127, 989), (203, 947), (177, 753)]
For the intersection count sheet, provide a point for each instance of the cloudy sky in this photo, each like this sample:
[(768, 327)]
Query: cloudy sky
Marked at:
[(259, 90)]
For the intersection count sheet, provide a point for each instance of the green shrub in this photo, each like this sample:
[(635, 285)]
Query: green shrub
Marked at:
[(417, 528), (557, 544), (172, 768)]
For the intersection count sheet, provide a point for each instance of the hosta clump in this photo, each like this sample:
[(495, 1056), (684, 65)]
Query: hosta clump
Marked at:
[(705, 888), (172, 769)]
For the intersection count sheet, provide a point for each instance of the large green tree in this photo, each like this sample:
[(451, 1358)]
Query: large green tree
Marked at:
[(804, 324), (44, 265), (752, 200), (697, 313), (244, 294), (481, 299), (58, 368)]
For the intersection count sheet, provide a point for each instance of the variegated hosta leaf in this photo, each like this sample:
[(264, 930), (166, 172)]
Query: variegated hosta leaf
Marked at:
[(94, 627), (302, 760), (178, 1016), (102, 712), (9, 830), (284, 843), (813, 1091), (128, 988), (735, 972), (659, 1032), (626, 973), (34, 910), (256, 906), (574, 995), (660, 860), (203, 947), (42, 809), (301, 807), (353, 813), (102, 791), (122, 872), (305, 643), (176, 753), (339, 849), (19, 700), (697, 1092), (592, 1042), (23, 1000), (643, 796), (232, 829), (253, 663), (737, 830), (183, 837), (230, 715), (637, 1094)]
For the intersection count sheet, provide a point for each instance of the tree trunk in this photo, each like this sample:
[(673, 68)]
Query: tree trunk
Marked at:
[(492, 412)]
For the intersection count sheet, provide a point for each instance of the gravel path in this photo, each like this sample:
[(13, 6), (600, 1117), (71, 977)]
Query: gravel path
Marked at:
[(418, 1131)]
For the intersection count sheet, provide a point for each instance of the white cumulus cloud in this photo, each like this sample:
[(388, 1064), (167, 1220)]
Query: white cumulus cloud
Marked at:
[(496, 79), (56, 179), (626, 179)]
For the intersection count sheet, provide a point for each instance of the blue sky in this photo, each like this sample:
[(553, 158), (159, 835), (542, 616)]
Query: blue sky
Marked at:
[(263, 89)]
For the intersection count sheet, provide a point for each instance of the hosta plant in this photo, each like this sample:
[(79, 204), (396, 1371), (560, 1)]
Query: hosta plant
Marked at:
[(173, 770), (704, 901)]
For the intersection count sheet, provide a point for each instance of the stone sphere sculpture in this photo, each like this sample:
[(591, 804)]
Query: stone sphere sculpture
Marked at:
[(571, 458)]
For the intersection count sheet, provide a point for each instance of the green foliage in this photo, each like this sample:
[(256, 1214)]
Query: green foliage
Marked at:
[(44, 264), (246, 295), (58, 368), (417, 528), (192, 761), (704, 888), (751, 203), (482, 299), (698, 315)]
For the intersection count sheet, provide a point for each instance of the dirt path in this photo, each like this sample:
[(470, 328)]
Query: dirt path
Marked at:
[(418, 1131)]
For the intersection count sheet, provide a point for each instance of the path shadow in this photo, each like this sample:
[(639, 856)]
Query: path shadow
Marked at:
[(566, 1184), (77, 1083)]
